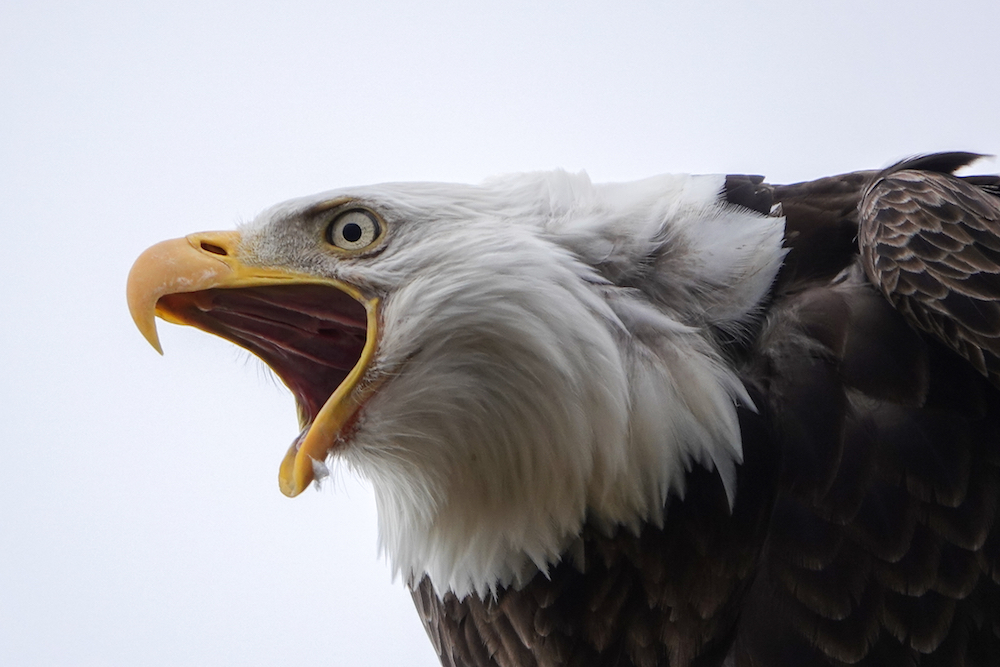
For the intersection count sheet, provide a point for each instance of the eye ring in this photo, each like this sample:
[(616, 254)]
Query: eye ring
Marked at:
[(354, 229)]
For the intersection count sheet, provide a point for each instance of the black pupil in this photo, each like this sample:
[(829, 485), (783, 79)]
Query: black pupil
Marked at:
[(352, 232)]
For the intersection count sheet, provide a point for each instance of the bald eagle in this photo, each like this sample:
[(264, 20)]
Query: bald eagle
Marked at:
[(686, 421)]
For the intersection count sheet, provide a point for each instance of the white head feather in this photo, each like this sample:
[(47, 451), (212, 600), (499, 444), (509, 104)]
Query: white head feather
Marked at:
[(550, 358)]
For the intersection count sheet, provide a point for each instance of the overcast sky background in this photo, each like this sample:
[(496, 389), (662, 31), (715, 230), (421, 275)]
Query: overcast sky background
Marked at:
[(140, 518)]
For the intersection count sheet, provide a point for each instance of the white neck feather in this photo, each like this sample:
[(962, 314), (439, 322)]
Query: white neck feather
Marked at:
[(567, 374)]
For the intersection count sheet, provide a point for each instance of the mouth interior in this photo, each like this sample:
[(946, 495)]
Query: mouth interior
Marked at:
[(311, 335)]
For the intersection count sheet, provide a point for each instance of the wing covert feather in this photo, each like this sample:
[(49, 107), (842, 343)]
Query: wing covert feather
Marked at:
[(931, 242)]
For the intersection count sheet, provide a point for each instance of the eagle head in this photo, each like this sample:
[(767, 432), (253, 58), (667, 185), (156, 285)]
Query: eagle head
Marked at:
[(504, 362)]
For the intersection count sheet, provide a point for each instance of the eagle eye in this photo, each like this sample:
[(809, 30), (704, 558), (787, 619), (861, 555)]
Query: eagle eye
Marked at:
[(353, 230)]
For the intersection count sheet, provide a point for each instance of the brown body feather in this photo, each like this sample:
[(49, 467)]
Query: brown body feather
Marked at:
[(864, 527)]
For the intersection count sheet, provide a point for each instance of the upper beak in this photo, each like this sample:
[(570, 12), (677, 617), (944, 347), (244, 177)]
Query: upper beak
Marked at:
[(211, 260), (191, 264)]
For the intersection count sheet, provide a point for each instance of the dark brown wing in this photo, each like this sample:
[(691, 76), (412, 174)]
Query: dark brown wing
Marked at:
[(931, 243), (883, 547)]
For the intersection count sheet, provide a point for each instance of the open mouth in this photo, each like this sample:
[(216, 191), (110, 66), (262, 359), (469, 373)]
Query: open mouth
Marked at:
[(311, 336), (318, 334)]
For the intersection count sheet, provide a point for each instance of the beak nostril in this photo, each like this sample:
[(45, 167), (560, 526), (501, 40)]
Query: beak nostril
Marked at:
[(214, 249)]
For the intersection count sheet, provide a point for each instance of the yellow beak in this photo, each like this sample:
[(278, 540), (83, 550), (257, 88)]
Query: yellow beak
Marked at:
[(210, 260)]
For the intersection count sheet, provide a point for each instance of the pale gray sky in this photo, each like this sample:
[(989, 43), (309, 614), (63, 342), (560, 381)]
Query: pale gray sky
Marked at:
[(140, 519)]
